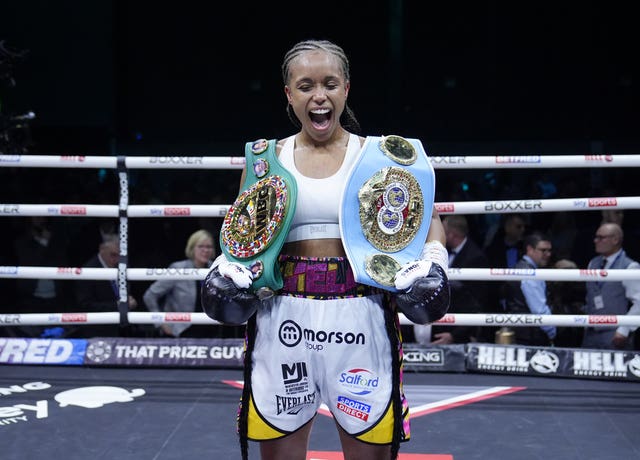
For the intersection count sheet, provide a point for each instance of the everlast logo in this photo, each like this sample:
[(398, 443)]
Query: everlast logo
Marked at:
[(521, 205), (596, 202)]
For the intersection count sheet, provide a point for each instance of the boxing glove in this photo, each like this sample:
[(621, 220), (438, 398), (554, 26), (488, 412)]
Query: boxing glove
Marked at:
[(423, 286), (225, 293)]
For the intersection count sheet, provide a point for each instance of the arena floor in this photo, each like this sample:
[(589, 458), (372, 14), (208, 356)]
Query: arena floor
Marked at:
[(83, 413)]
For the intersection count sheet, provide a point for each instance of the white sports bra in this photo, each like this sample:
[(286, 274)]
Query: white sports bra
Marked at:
[(318, 202)]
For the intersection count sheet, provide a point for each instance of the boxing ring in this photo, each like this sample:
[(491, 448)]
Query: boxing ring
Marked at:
[(131, 398)]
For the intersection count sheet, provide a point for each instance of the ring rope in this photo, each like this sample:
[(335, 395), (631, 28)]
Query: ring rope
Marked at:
[(232, 162), (124, 210), (462, 274), (218, 210), (451, 319)]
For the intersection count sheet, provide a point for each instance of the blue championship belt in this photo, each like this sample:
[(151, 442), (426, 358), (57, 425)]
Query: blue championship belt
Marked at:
[(386, 207), (257, 223)]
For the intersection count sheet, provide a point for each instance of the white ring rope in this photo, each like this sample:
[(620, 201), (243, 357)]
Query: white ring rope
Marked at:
[(462, 274), (229, 162), (125, 210), (219, 210), (451, 319)]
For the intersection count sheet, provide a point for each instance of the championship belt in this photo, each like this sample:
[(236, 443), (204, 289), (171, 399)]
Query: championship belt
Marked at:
[(386, 207), (257, 223)]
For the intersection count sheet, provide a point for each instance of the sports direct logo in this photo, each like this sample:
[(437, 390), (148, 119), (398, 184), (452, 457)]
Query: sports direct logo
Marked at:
[(603, 319), (354, 408)]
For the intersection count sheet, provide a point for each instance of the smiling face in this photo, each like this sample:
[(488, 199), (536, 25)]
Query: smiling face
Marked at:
[(317, 91)]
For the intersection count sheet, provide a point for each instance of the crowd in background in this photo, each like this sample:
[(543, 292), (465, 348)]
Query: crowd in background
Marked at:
[(160, 242)]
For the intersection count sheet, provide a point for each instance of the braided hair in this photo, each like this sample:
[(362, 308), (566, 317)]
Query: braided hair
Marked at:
[(347, 118)]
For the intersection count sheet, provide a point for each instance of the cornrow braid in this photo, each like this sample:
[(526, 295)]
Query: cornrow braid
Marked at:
[(347, 118)]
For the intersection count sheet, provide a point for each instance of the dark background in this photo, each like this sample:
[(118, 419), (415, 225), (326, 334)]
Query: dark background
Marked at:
[(202, 78), (209, 72)]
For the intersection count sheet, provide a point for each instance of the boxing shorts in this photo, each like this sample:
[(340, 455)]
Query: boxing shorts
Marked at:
[(325, 339)]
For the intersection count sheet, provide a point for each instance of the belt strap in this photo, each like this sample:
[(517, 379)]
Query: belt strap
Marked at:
[(256, 225)]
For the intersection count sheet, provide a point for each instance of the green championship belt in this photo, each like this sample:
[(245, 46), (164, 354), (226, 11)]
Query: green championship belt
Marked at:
[(257, 223)]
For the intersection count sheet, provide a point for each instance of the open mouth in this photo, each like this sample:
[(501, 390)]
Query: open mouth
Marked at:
[(320, 117)]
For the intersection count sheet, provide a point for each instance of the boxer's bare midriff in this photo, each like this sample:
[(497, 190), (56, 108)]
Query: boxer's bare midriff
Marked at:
[(315, 248)]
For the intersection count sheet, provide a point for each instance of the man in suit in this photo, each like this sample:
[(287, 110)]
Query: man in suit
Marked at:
[(101, 295), (611, 297), (529, 296), (466, 296)]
